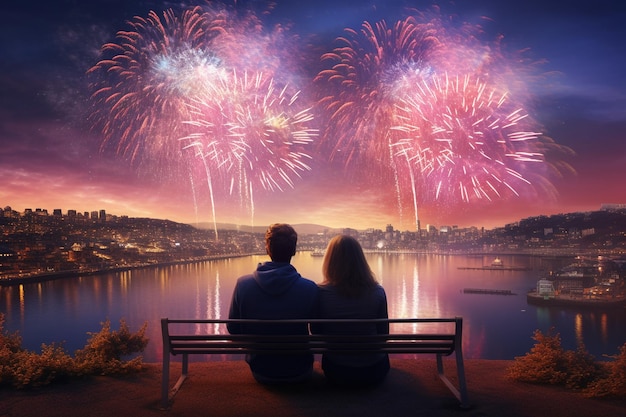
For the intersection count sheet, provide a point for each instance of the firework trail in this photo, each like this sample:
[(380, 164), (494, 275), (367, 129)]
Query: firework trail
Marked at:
[(254, 132), (464, 139), (360, 91), (356, 89), (140, 83), (440, 110), (147, 78)]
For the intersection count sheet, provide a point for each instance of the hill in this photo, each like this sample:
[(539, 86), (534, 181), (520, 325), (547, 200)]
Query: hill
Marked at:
[(301, 228)]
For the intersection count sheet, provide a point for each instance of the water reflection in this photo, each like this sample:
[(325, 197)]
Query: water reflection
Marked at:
[(495, 326), (578, 325), (22, 303)]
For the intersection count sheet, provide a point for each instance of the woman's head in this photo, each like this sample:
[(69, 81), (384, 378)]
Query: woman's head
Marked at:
[(345, 266)]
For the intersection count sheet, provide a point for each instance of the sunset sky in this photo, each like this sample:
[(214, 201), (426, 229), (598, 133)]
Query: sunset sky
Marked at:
[(571, 83)]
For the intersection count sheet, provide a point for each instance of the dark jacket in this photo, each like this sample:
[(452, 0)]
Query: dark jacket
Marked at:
[(353, 369), (275, 291)]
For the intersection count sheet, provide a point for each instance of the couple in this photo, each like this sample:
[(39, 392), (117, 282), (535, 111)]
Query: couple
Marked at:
[(277, 291)]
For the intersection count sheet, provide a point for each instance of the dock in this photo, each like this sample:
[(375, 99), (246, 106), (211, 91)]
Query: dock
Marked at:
[(496, 268), (487, 291)]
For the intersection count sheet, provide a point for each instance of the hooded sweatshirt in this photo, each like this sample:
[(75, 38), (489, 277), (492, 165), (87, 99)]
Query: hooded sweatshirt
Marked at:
[(275, 291)]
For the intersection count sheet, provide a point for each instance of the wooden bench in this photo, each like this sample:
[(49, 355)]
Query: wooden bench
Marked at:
[(406, 336)]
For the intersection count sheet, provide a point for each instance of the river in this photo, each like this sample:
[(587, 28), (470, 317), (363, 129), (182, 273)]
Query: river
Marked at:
[(418, 285)]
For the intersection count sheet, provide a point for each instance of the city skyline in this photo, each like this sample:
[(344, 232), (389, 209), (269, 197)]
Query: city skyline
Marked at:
[(310, 228), (51, 153)]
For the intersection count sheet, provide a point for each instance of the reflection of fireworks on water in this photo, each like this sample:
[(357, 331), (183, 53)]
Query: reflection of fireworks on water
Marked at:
[(356, 86), (464, 140), (250, 133)]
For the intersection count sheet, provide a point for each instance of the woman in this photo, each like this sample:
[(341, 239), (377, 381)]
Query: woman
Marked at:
[(350, 291)]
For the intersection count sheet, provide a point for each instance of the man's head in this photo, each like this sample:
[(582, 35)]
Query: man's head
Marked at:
[(280, 242)]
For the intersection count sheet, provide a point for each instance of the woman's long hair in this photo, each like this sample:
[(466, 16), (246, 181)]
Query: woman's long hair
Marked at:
[(346, 268)]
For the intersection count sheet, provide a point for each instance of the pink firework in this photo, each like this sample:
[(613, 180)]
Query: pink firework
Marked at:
[(251, 133), (140, 83), (463, 140), (357, 88)]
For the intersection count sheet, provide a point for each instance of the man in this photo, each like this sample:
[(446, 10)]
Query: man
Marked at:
[(276, 291)]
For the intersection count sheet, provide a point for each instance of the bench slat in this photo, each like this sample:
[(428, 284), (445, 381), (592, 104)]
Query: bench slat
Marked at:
[(404, 339)]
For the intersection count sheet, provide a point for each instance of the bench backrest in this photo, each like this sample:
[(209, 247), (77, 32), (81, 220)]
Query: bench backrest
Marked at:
[(414, 335)]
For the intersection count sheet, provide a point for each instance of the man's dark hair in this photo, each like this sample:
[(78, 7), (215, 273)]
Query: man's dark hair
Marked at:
[(280, 242)]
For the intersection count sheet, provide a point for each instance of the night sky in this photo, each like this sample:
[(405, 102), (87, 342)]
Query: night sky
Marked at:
[(563, 61)]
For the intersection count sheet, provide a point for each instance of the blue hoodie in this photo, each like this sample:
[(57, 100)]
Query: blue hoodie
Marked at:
[(275, 291)]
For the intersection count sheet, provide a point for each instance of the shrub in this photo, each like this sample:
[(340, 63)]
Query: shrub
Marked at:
[(548, 363), (613, 383), (32, 370), (544, 364), (104, 353), (10, 346), (581, 368)]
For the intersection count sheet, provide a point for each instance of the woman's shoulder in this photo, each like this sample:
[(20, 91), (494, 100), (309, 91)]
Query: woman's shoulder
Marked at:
[(327, 286), (378, 289)]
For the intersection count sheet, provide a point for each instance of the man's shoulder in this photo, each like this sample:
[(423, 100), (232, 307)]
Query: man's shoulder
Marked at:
[(308, 282), (242, 280)]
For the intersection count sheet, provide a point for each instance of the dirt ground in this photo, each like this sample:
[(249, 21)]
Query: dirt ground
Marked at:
[(228, 389)]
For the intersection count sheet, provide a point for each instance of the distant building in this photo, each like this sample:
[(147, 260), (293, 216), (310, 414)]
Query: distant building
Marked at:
[(545, 288), (6, 253), (609, 207), (7, 259)]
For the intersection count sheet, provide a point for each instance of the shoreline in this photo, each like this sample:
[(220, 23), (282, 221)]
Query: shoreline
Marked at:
[(50, 276), (570, 301), (54, 275)]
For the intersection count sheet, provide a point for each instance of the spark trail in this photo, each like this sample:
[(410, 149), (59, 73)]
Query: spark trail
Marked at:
[(156, 78), (253, 132), (429, 107), (356, 88), (141, 81), (466, 140)]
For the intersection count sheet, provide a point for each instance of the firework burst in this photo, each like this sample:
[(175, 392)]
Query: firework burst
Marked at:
[(140, 83), (464, 140), (358, 101), (171, 76), (253, 133)]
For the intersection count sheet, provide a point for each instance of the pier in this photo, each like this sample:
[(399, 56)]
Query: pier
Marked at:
[(487, 291)]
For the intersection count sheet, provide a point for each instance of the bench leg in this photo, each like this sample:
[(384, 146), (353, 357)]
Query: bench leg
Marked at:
[(166, 394), (460, 370), (165, 381), (461, 392)]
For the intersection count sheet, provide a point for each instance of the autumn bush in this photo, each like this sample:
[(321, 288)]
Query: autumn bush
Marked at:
[(106, 353), (544, 364), (548, 363), (613, 382)]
